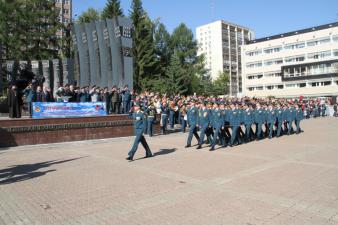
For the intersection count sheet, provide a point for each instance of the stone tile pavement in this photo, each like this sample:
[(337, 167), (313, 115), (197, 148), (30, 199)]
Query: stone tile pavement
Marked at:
[(292, 180)]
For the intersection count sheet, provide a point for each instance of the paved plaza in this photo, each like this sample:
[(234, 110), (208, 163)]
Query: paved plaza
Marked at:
[(292, 180)]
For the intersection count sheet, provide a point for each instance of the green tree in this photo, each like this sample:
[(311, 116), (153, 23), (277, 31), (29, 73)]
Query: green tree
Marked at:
[(145, 63), (184, 45), (88, 16), (163, 49), (221, 84), (176, 77), (29, 29), (112, 9)]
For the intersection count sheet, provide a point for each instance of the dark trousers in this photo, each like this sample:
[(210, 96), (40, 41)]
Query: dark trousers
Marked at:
[(183, 124), (139, 138), (151, 125), (126, 107), (192, 132), (279, 128), (233, 134), (164, 120), (217, 133), (248, 132), (115, 107), (30, 109), (259, 130), (172, 119)]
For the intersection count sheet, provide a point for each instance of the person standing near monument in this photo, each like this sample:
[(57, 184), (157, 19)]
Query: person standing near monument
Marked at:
[(30, 94), (138, 117), (14, 102), (126, 98), (115, 100)]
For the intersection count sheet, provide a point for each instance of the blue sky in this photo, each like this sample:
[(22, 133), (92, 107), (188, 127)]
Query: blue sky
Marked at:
[(264, 17)]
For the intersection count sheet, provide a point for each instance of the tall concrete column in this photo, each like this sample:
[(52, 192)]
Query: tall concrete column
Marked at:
[(103, 49), (46, 73), (57, 81), (68, 71)]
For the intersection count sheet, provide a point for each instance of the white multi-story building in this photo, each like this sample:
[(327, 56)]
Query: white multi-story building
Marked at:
[(220, 42), (65, 14), (298, 63)]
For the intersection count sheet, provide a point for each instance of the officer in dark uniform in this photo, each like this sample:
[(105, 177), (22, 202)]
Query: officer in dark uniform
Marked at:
[(151, 113), (235, 122), (270, 119), (164, 117), (248, 120), (217, 123), (279, 117), (299, 117), (192, 114), (138, 117), (204, 123), (259, 117)]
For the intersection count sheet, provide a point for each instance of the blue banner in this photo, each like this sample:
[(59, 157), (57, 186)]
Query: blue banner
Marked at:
[(68, 109)]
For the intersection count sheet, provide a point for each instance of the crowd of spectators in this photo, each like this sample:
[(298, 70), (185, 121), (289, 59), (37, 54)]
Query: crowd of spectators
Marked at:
[(120, 100)]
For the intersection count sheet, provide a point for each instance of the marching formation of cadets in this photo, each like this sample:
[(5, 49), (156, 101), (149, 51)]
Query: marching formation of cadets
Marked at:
[(224, 122)]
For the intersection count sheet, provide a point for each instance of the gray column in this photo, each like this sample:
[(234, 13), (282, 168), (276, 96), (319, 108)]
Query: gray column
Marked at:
[(82, 47), (36, 68), (11, 71), (67, 71), (127, 59), (46, 73), (115, 47), (103, 44), (57, 81), (93, 57), (1, 68)]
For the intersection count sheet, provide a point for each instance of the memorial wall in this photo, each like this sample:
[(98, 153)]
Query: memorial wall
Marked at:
[(104, 52)]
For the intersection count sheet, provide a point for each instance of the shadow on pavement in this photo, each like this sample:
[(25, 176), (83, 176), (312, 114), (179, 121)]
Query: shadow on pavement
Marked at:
[(18, 173), (165, 152)]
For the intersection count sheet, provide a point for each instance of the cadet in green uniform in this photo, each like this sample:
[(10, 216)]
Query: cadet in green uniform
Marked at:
[(299, 117), (270, 119), (138, 117), (248, 120), (259, 117), (279, 118), (235, 122), (204, 123)]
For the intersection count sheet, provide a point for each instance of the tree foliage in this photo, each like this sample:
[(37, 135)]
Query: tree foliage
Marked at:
[(112, 9), (221, 84), (145, 62), (88, 16), (29, 29)]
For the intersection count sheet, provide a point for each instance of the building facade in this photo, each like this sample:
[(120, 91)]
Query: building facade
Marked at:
[(103, 52), (65, 14), (293, 64), (221, 42)]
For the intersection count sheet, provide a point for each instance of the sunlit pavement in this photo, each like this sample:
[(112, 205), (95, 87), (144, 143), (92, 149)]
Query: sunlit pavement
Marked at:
[(289, 180)]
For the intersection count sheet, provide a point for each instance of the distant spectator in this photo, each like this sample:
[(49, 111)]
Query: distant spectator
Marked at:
[(14, 102)]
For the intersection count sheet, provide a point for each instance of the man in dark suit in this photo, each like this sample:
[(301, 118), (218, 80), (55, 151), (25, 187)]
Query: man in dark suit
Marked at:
[(14, 102), (115, 97)]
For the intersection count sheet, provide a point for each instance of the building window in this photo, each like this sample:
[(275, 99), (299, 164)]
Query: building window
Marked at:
[(335, 38), (273, 62), (272, 74), (335, 52), (254, 76), (254, 65), (253, 53), (273, 49), (298, 58), (319, 55), (294, 46), (318, 41)]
